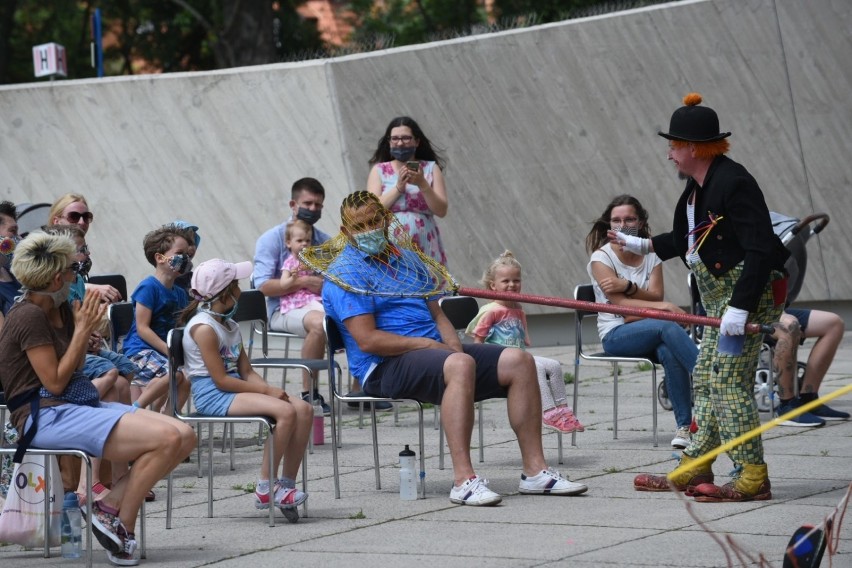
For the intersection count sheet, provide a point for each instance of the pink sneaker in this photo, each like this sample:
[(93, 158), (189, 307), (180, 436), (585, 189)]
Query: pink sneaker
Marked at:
[(561, 420), (569, 414)]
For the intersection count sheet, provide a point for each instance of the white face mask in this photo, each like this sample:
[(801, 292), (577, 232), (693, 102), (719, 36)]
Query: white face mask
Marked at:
[(58, 296)]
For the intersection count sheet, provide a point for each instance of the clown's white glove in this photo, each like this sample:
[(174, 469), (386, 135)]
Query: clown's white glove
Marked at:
[(733, 321), (636, 245)]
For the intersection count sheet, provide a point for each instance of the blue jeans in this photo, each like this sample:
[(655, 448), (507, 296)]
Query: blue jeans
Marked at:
[(671, 346)]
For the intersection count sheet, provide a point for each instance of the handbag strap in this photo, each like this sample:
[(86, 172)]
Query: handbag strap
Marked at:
[(16, 402)]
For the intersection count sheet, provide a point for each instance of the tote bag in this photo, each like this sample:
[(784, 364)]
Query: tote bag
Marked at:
[(22, 520)]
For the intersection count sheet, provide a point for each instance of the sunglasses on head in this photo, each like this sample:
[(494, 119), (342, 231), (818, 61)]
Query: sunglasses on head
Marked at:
[(75, 217)]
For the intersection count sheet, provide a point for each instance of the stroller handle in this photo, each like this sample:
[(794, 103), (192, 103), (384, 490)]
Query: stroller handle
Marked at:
[(822, 220)]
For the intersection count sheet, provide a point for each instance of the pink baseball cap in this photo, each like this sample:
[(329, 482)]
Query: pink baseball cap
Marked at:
[(211, 277)]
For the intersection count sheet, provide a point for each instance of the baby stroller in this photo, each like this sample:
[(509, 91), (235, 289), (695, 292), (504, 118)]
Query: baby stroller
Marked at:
[(794, 234)]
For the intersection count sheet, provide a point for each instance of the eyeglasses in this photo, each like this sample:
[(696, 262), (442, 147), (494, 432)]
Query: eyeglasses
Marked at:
[(625, 221), (75, 217), (403, 139), (83, 249)]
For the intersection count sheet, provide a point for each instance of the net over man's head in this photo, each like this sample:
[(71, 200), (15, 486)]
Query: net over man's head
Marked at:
[(373, 254)]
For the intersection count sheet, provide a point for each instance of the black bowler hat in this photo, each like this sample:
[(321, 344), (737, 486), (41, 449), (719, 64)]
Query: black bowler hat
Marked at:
[(693, 123)]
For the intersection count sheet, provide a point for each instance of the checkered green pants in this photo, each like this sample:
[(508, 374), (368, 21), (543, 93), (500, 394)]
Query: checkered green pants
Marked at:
[(724, 384)]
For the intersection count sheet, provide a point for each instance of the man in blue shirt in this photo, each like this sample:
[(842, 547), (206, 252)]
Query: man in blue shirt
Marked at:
[(405, 347)]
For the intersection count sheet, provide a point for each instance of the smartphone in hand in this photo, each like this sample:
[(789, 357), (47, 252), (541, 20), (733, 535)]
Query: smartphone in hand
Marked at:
[(414, 166)]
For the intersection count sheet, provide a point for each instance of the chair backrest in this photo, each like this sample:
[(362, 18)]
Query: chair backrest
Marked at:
[(120, 318), (174, 341), (117, 281), (584, 293), (334, 339), (252, 307), (460, 310)]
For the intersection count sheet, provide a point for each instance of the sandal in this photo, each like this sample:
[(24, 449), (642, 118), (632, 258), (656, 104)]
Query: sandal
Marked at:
[(150, 496)]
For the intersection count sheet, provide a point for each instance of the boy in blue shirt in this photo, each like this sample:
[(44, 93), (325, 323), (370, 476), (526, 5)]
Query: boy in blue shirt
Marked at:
[(156, 303)]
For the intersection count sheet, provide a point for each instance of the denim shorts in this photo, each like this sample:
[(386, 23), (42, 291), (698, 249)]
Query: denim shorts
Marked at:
[(419, 374), (84, 428), (96, 366), (124, 365), (209, 399), (150, 364)]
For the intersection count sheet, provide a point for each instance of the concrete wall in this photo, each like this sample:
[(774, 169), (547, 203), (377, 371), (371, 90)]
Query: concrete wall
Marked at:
[(541, 127)]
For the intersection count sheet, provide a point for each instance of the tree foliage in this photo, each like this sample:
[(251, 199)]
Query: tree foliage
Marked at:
[(153, 35)]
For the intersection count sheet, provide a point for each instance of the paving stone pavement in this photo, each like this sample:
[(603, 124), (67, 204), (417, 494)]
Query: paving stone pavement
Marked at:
[(611, 525)]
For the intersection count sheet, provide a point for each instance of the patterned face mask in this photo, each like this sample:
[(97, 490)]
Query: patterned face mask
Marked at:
[(7, 250)]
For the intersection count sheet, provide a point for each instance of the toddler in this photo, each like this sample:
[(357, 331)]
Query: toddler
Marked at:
[(504, 323)]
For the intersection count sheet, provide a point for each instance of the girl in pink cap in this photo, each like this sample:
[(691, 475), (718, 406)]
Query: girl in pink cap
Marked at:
[(225, 384)]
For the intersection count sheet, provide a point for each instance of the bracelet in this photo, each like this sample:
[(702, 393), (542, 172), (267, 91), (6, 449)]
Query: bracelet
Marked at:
[(632, 288)]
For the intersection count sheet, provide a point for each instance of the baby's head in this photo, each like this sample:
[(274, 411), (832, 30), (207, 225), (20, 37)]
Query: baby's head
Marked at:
[(298, 236), (504, 274), (212, 278)]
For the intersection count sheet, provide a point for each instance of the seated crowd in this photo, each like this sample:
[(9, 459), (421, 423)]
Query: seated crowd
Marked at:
[(57, 370)]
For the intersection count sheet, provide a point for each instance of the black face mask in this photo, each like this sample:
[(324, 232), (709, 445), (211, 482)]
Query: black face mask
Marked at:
[(85, 267), (308, 216)]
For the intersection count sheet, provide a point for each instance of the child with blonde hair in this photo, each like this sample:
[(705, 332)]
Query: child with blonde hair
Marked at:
[(503, 322), (300, 307)]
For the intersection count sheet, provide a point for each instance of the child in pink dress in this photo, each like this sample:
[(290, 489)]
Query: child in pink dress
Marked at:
[(504, 323), (297, 237)]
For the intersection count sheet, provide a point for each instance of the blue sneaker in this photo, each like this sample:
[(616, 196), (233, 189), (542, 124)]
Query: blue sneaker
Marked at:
[(823, 411), (806, 420)]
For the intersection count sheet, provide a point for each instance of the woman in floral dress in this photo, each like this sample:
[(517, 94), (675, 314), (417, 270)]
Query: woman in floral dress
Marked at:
[(407, 178)]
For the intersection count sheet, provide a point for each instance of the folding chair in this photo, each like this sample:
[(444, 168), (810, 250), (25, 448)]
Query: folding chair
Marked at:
[(120, 317), (117, 281), (586, 293), (335, 346), (256, 329), (89, 497), (252, 309), (176, 360)]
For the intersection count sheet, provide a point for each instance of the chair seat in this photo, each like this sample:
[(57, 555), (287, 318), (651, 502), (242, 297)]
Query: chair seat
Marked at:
[(275, 362)]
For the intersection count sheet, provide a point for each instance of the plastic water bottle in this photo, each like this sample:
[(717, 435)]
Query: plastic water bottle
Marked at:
[(71, 527), (407, 475), (319, 427)]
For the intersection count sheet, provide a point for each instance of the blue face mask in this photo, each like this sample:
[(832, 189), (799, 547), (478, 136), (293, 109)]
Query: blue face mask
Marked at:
[(372, 242), (205, 307), (403, 154)]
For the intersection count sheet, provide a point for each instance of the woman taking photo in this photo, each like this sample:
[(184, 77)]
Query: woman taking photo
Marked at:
[(408, 180)]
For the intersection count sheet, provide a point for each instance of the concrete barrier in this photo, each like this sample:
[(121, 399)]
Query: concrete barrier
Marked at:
[(541, 126)]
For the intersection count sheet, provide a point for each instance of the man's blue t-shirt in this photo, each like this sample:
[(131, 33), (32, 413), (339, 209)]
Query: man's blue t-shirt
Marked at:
[(409, 317), (164, 304)]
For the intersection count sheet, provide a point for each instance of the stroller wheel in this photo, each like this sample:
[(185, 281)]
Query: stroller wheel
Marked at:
[(762, 396), (663, 395)]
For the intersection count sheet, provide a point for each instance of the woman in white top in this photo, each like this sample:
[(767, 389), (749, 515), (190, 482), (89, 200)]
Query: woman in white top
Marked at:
[(225, 384), (626, 279)]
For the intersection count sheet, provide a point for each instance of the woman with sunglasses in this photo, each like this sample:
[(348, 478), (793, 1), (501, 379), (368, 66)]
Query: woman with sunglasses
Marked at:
[(73, 209), (408, 180), (623, 278)]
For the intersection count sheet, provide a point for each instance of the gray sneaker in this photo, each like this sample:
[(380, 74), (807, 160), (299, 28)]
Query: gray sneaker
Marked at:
[(682, 438)]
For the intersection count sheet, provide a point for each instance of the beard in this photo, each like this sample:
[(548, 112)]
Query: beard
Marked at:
[(682, 176)]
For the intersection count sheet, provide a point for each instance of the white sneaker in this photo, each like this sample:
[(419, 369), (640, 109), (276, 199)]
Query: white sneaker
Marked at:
[(549, 482), (475, 492), (682, 438)]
